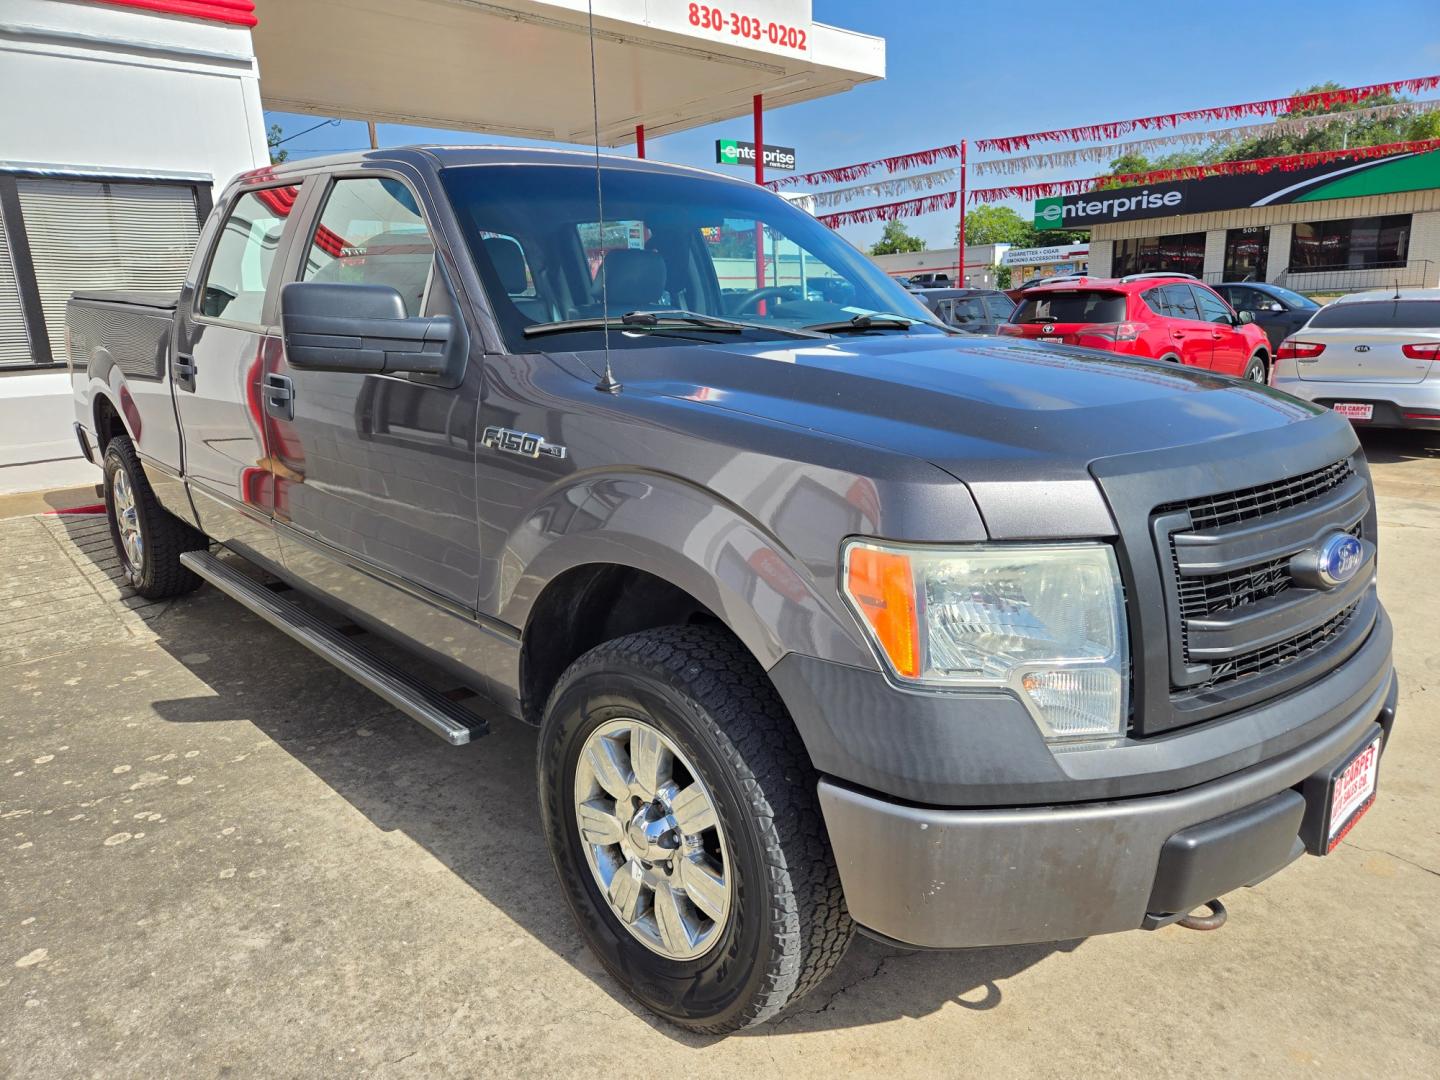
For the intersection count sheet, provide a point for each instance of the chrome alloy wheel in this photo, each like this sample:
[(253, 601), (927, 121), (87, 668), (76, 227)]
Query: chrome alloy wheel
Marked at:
[(652, 838), (127, 520)]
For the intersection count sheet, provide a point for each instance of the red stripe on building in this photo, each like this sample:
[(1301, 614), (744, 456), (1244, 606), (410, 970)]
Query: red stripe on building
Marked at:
[(235, 12)]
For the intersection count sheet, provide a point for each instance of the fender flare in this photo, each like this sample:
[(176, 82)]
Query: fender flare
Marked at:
[(696, 541)]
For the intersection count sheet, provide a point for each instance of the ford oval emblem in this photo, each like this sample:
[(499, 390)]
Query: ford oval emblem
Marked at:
[(1340, 557)]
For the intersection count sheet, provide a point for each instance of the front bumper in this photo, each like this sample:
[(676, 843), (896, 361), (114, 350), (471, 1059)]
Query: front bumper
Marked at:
[(937, 878)]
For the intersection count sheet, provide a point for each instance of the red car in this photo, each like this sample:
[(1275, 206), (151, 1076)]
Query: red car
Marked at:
[(1161, 316)]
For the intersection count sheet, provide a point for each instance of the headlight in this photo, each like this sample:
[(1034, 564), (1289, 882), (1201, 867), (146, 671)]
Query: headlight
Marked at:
[(1045, 621)]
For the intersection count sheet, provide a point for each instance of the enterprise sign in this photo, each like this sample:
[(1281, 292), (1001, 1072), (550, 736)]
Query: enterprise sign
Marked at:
[(1071, 211), (736, 152), (1336, 180)]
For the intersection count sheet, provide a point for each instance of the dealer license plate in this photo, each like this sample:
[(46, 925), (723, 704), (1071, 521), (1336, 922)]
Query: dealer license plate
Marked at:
[(1352, 792), (1354, 410)]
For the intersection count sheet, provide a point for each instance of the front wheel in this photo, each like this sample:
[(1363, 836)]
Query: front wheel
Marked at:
[(680, 809), (1255, 369)]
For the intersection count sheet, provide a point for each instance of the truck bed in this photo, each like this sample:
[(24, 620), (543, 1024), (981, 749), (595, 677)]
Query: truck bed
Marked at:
[(131, 329)]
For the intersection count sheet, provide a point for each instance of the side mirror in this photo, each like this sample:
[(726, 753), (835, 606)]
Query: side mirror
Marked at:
[(1243, 317), (362, 329)]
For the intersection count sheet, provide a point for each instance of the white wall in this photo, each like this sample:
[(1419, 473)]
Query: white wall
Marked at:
[(98, 89), (95, 87)]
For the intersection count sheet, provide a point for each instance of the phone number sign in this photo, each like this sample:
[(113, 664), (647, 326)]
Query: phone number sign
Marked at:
[(780, 26)]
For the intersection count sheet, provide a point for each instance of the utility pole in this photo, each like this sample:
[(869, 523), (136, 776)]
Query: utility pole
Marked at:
[(960, 243)]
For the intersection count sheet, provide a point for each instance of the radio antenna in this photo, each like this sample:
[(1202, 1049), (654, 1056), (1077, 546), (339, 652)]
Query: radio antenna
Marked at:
[(608, 384)]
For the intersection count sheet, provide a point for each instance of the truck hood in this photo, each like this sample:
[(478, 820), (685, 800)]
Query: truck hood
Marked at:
[(983, 409)]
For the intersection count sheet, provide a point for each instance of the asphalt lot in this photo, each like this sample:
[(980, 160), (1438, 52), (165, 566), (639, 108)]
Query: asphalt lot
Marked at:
[(219, 856)]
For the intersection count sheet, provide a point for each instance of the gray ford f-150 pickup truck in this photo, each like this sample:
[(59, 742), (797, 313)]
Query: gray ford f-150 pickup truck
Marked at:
[(829, 617)]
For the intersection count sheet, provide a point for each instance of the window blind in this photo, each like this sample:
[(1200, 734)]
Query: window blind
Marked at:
[(14, 340), (90, 234)]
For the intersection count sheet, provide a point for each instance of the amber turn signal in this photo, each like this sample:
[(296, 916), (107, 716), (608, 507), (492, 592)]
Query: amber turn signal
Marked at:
[(881, 584)]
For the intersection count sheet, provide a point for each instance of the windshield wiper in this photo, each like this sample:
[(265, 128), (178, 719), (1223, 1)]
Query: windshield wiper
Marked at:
[(877, 321), (662, 320)]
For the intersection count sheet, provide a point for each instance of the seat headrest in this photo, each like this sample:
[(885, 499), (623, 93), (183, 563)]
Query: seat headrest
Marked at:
[(509, 262), (634, 278)]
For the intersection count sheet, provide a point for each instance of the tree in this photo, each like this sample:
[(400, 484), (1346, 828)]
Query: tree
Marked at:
[(1002, 225), (896, 239), (998, 225), (274, 137), (1363, 132), (1127, 164)]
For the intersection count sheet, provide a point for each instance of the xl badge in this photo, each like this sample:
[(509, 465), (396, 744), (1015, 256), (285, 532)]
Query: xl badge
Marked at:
[(524, 443), (1333, 562)]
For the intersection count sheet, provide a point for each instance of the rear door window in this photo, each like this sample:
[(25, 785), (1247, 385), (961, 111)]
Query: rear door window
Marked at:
[(1379, 314), (371, 233), (1181, 302), (966, 310), (244, 257), (1000, 308), (1079, 306), (1155, 301)]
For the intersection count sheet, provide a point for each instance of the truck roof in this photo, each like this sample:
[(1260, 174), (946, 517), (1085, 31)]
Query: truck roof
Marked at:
[(444, 156)]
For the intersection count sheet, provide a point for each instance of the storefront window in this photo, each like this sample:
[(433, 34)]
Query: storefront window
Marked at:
[(1182, 253), (1246, 251), (1351, 244)]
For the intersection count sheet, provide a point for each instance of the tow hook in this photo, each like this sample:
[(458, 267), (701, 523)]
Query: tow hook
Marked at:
[(1213, 921)]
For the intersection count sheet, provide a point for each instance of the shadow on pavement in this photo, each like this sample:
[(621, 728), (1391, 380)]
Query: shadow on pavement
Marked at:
[(474, 809), (1384, 446)]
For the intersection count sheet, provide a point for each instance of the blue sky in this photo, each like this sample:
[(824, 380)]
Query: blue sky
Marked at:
[(984, 68)]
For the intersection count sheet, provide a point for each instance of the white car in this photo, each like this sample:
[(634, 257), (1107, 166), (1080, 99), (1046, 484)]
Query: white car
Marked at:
[(1371, 357)]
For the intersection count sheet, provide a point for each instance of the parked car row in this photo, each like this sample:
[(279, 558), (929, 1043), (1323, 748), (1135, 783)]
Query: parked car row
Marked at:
[(1368, 355), (1158, 316)]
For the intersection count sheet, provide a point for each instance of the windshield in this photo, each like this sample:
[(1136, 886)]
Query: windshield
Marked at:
[(1294, 299), (1071, 307), (669, 242), (1378, 314)]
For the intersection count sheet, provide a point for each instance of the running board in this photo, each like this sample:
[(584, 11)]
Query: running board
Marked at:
[(455, 725)]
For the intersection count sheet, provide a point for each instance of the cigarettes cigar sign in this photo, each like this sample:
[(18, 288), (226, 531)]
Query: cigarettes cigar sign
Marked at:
[(1336, 180), (735, 152)]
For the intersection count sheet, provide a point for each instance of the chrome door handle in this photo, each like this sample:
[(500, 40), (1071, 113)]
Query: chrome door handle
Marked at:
[(279, 394)]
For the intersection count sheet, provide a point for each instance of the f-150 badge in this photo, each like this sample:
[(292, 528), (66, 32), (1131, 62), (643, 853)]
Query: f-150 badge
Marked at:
[(524, 443)]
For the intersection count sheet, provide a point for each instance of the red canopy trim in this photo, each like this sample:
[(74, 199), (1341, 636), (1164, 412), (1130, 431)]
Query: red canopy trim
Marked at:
[(233, 12)]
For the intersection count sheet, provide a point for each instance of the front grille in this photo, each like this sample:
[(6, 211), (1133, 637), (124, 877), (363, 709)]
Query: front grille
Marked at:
[(1201, 596), (1215, 511), (1210, 611), (1268, 659)]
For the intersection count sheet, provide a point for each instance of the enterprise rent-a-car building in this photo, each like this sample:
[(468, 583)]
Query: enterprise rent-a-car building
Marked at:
[(1337, 227)]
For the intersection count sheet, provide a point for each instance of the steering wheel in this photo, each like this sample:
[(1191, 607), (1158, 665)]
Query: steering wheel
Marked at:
[(770, 292)]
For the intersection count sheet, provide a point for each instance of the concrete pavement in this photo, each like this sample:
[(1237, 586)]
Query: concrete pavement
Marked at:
[(220, 857)]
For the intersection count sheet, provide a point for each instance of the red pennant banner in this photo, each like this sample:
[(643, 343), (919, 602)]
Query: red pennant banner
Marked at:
[(1326, 99), (1259, 166), (889, 211), (845, 174)]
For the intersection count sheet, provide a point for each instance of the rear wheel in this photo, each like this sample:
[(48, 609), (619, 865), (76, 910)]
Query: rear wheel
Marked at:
[(680, 808), (1170, 358), (1255, 369), (148, 538)]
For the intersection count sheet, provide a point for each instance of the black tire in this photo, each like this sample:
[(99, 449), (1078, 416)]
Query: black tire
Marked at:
[(788, 925), (1170, 358), (158, 573), (1255, 369)]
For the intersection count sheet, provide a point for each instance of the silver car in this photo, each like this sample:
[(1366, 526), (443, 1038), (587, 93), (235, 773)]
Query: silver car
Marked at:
[(1370, 357)]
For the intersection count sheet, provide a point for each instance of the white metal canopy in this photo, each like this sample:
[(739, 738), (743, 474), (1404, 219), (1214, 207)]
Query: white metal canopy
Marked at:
[(522, 67)]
